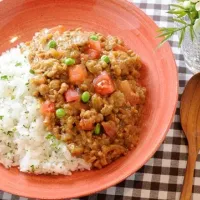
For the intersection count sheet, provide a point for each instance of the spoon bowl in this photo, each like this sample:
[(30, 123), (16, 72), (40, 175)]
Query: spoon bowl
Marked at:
[(190, 121)]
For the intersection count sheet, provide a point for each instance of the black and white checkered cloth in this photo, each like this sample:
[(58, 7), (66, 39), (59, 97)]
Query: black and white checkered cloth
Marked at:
[(162, 176)]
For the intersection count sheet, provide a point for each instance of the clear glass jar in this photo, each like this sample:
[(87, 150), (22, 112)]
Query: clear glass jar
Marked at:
[(191, 51)]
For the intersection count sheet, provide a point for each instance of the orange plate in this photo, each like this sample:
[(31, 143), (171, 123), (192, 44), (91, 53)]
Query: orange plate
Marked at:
[(20, 19)]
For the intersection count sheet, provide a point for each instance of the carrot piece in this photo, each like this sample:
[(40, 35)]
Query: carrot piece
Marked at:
[(86, 124), (77, 74)]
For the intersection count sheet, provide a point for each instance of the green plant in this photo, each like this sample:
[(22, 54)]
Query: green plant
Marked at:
[(187, 15)]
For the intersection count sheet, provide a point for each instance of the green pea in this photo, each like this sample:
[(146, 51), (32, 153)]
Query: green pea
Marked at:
[(52, 44), (105, 59), (85, 97), (69, 61), (97, 129), (60, 113), (94, 37)]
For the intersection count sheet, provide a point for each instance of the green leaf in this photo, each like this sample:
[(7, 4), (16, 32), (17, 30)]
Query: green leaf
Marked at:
[(4, 77), (192, 33), (181, 37), (163, 34), (177, 6), (1, 117), (176, 12), (50, 136), (191, 18), (178, 20), (164, 40), (167, 30), (181, 15), (18, 64)]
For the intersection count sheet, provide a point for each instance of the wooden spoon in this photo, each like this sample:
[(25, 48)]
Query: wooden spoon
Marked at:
[(190, 120)]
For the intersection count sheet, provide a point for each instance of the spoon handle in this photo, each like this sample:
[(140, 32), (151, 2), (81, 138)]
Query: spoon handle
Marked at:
[(188, 180)]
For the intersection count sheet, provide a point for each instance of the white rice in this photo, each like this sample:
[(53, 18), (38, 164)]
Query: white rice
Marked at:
[(23, 139)]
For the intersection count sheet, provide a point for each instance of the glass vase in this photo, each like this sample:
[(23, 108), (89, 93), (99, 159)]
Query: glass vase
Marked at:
[(191, 51)]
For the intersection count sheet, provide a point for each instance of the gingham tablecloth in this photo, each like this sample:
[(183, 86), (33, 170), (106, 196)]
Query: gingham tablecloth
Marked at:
[(162, 176)]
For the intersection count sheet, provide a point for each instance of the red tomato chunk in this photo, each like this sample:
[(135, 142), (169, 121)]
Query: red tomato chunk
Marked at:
[(96, 45), (71, 95), (103, 84), (93, 54), (110, 128), (47, 107)]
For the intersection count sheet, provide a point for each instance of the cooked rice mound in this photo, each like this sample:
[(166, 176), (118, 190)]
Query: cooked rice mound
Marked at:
[(24, 142)]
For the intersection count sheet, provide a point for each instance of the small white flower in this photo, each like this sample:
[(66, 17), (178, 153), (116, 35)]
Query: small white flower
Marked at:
[(186, 4), (197, 6), (197, 25)]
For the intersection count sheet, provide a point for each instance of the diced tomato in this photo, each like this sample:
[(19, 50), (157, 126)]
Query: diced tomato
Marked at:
[(93, 49), (59, 28), (71, 95), (93, 54), (47, 107), (119, 48), (129, 94), (86, 124), (96, 45), (110, 128), (77, 74), (103, 84)]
